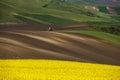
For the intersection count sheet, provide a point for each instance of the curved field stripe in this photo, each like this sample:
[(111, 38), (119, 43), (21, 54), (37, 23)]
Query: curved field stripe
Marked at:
[(30, 18), (57, 46)]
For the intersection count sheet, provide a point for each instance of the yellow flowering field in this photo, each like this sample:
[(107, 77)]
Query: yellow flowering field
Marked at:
[(56, 70)]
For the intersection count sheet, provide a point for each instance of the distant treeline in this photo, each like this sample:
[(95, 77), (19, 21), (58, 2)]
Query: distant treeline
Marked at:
[(112, 29)]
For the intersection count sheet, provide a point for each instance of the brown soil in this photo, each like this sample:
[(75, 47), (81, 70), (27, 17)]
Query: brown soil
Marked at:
[(23, 43)]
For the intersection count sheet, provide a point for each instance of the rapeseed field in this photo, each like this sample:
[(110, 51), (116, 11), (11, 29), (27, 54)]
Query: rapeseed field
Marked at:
[(56, 70)]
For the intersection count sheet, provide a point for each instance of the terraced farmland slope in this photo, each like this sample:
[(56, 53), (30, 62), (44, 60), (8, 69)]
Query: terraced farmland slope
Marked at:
[(56, 70)]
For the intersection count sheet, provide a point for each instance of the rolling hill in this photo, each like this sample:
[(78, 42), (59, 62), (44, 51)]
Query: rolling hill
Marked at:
[(106, 6), (96, 2), (65, 12), (91, 30), (57, 46)]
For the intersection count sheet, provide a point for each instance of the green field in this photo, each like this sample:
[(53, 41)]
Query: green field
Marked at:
[(47, 19), (115, 39), (56, 12)]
